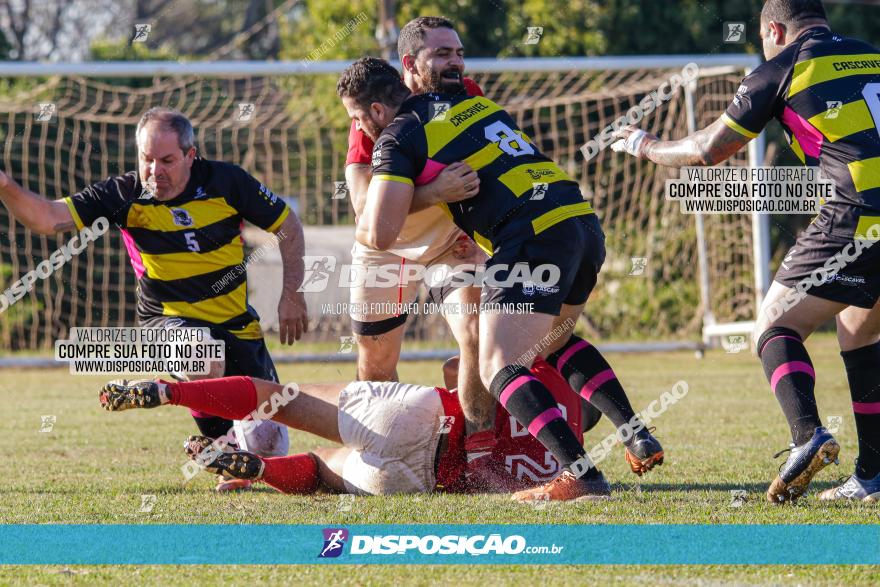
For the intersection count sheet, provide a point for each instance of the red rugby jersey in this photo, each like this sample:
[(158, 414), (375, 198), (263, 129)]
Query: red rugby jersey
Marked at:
[(528, 461)]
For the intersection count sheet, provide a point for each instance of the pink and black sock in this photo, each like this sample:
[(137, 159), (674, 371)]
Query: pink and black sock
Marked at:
[(863, 373), (792, 379), (590, 375), (532, 404)]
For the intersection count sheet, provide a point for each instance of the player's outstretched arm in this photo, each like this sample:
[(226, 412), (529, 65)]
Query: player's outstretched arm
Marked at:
[(293, 317), (386, 209), (710, 146), (37, 213), (455, 183)]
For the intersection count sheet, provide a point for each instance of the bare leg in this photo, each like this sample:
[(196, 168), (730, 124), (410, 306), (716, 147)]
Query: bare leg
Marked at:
[(477, 403), (378, 355), (315, 409), (330, 462)]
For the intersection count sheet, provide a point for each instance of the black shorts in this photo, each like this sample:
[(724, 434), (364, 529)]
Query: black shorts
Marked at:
[(831, 267), (575, 246), (243, 357)]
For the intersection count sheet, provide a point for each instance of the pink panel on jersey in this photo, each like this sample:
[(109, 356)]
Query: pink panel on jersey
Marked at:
[(133, 254), (807, 135), (866, 407), (432, 169)]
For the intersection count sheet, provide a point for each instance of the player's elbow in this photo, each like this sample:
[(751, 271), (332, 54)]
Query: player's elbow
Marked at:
[(381, 240)]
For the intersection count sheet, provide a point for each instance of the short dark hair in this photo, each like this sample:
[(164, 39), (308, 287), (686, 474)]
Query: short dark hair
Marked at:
[(792, 13), (412, 35), (172, 120), (370, 79)]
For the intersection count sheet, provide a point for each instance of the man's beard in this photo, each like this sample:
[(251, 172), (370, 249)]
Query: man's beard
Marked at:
[(438, 84)]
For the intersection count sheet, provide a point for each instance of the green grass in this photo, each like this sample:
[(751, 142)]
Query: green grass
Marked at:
[(94, 466)]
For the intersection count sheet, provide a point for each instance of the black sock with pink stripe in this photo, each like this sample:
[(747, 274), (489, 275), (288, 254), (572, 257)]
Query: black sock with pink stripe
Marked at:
[(863, 373), (590, 375), (532, 404), (792, 379)]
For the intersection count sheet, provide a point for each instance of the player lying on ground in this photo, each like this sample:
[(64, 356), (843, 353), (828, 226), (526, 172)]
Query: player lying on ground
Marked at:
[(810, 70), (398, 438), (432, 58), (181, 217), (528, 212)]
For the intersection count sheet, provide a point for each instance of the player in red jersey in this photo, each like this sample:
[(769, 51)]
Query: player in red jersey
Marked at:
[(397, 437), (432, 60)]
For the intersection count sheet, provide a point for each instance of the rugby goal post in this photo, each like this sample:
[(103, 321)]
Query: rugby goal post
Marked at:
[(671, 280)]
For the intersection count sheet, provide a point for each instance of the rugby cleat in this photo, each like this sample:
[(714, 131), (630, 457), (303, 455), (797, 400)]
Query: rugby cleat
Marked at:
[(854, 488), (121, 394), (802, 465), (229, 463), (567, 487), (643, 454)]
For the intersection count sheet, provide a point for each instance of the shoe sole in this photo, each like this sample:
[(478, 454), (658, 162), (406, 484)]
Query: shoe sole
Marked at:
[(781, 492), (642, 466)]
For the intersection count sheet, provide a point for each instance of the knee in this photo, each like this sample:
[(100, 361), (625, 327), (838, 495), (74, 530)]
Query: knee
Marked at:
[(849, 341), (215, 370)]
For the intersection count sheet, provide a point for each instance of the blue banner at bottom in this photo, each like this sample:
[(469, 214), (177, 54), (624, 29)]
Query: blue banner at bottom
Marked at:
[(439, 544)]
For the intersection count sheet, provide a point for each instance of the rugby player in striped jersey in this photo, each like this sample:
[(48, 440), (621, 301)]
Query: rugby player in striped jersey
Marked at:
[(824, 89), (181, 218), (528, 212)]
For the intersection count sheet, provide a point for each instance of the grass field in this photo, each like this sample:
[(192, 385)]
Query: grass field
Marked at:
[(93, 467)]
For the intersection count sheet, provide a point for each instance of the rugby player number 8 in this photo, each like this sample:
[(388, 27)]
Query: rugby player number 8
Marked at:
[(191, 243), (508, 141), (871, 94)]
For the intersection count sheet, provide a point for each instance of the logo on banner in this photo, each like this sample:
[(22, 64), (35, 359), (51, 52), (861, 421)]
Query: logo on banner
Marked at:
[(334, 541)]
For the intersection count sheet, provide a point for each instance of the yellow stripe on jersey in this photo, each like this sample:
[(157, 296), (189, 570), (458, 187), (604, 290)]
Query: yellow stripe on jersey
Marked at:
[(277, 224), (738, 127), (214, 310), (484, 243), (798, 150), (397, 178), (488, 154), (850, 119), (868, 229), (439, 132), (523, 178), (76, 219), (170, 266), (250, 332), (865, 174), (161, 218), (548, 219), (831, 67)]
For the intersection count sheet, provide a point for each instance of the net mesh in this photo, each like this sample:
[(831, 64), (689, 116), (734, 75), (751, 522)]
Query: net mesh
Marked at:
[(291, 133)]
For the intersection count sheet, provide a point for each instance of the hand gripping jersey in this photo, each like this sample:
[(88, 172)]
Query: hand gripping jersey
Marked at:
[(187, 253), (528, 461), (426, 234), (522, 192), (825, 91)]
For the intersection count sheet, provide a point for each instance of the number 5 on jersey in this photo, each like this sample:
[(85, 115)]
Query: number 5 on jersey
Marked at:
[(191, 243)]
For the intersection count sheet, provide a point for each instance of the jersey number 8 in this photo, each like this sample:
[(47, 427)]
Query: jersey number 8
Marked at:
[(508, 141), (871, 93)]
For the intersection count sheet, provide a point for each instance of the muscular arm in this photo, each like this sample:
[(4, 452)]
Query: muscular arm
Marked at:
[(386, 209), (292, 315), (455, 183), (710, 146), (37, 213)]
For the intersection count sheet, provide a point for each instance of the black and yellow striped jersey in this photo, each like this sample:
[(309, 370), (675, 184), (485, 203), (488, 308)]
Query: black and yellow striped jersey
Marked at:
[(522, 191), (825, 91), (188, 252)]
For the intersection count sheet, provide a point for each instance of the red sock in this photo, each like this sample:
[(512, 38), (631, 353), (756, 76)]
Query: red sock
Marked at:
[(292, 474), (227, 397)]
